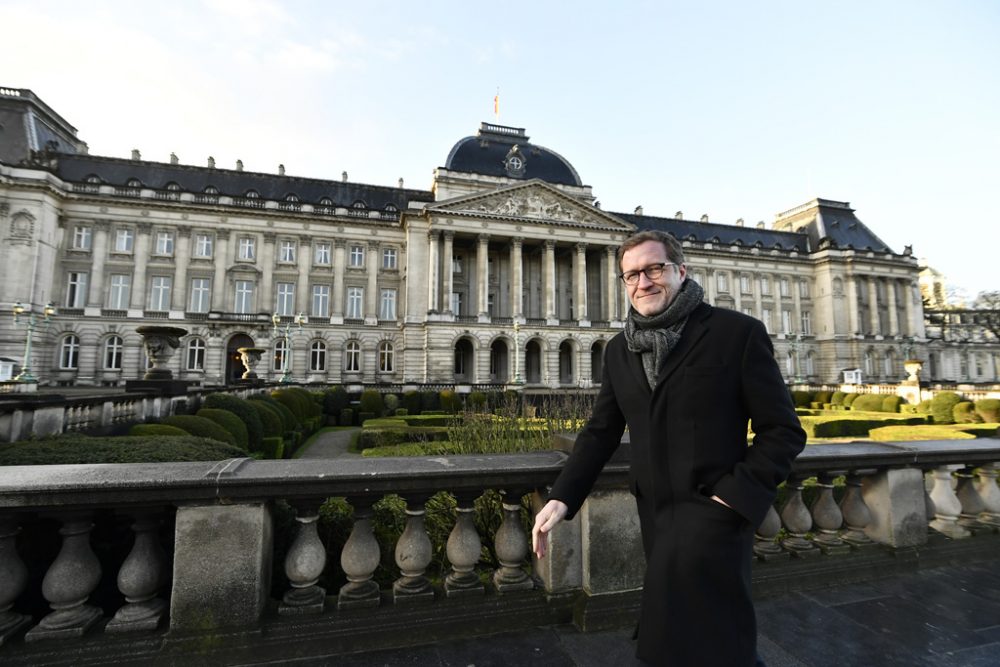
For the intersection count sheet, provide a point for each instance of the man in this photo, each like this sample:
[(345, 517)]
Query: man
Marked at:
[(685, 378)]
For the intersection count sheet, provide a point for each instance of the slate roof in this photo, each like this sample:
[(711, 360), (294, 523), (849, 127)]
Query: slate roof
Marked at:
[(156, 175), (843, 228), (486, 152), (725, 234)]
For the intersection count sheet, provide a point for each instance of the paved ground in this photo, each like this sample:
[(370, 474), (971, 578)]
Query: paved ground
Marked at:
[(330, 445)]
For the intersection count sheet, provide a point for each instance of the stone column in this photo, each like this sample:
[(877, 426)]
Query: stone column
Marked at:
[(305, 263), (873, 306), (304, 564), (893, 315), (853, 312), (371, 286), (610, 272), (895, 500), (182, 257), (338, 281), (449, 278), (482, 277), (13, 580), (98, 255), (223, 258), (517, 278), (266, 299), (464, 549), (580, 280), (908, 306), (797, 314), (140, 578), (549, 282), (141, 257), (737, 291), (434, 263), (711, 291), (758, 299)]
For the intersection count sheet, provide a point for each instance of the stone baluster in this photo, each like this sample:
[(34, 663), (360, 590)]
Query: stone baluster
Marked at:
[(990, 493), (359, 559), (856, 513), (13, 579), (463, 550), (413, 555), (971, 502), (765, 548), (304, 564), (511, 545), (828, 517), (141, 576), (797, 520), (69, 581), (947, 506)]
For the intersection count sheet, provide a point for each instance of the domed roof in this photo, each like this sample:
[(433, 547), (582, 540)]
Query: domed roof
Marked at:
[(498, 150)]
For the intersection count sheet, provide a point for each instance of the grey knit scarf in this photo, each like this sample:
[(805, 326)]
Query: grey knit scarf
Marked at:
[(655, 336)]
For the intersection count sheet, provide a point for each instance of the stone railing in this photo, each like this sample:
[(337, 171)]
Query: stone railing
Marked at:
[(215, 600)]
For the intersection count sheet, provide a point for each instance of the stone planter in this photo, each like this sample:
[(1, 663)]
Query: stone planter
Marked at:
[(250, 356), (913, 367), (160, 343)]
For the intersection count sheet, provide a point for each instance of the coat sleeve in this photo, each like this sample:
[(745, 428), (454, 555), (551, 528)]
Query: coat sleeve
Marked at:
[(594, 446), (751, 486)]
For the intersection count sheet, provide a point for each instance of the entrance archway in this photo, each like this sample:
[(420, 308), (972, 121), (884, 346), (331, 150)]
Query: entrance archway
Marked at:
[(234, 364), (533, 362), (498, 362)]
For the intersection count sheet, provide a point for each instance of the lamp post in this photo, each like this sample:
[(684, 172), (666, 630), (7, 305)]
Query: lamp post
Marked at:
[(517, 353), (793, 345), (19, 310), (286, 376)]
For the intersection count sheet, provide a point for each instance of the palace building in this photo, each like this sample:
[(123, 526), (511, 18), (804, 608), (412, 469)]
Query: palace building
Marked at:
[(502, 272)]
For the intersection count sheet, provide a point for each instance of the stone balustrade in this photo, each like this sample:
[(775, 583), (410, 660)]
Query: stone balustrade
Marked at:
[(204, 586)]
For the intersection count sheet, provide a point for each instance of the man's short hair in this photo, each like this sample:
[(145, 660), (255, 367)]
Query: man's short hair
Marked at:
[(673, 247)]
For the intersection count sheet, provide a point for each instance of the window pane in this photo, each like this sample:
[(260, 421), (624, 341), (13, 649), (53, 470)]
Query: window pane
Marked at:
[(120, 291), (387, 305), (321, 301), (76, 290), (200, 295), (322, 255), (317, 356), (286, 299), (123, 240), (244, 296), (203, 245)]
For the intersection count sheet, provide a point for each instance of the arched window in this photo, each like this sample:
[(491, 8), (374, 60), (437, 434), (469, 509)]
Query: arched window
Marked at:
[(69, 352), (94, 179), (291, 197), (596, 362), (211, 190), (326, 201), (889, 365), (252, 194), (810, 365), (196, 354), (352, 357), (173, 187), (869, 363), (280, 354), (386, 357), (359, 204), (133, 183), (113, 347), (789, 366), (317, 356)]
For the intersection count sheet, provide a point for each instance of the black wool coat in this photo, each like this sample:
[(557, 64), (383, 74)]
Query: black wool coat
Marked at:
[(689, 441)]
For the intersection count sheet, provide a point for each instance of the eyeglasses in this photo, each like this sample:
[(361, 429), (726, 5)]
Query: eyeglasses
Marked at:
[(653, 271)]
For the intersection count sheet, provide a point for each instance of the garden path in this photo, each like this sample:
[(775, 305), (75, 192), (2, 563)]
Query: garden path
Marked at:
[(331, 445)]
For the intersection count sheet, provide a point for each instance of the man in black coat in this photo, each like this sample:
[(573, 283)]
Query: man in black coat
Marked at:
[(686, 378)]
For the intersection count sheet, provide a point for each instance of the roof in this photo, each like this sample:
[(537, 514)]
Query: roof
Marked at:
[(489, 151), (834, 223), (716, 233)]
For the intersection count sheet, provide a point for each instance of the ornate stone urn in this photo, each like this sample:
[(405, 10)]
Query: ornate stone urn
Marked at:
[(913, 367), (250, 356), (160, 343)]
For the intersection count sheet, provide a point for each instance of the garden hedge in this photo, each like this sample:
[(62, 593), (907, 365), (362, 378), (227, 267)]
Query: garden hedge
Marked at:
[(242, 409), (964, 412), (942, 406), (75, 448), (371, 402), (270, 418), (989, 410), (230, 422), (157, 429), (201, 427)]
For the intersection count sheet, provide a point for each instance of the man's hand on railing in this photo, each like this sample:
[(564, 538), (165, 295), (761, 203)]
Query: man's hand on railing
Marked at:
[(545, 521)]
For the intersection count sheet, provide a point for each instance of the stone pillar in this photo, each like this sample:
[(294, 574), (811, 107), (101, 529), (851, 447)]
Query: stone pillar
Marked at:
[(908, 306), (414, 553), (758, 299), (304, 565), (98, 255), (512, 546), (141, 258), (873, 306), (434, 264), (797, 314), (371, 286), (13, 580), (359, 559), (222, 566), (610, 272), (947, 506), (140, 578), (853, 314), (711, 291), (890, 287), (895, 500), (449, 278), (305, 263), (464, 549), (549, 282), (223, 258), (517, 278), (482, 277), (580, 281), (339, 290), (267, 300), (182, 258), (561, 571)]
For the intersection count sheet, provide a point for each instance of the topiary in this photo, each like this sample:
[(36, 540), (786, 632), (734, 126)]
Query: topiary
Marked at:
[(989, 410), (288, 420), (247, 413), (448, 400), (273, 448), (334, 400), (157, 429), (837, 398), (270, 418), (801, 399), (411, 401), (73, 448), (346, 417), (201, 427), (228, 421), (291, 401), (477, 401), (823, 396), (924, 407), (429, 400), (892, 403), (964, 412), (391, 402), (867, 403), (942, 405), (849, 399), (371, 402)]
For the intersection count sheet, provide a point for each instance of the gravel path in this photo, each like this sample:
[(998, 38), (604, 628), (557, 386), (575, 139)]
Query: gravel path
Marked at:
[(331, 445)]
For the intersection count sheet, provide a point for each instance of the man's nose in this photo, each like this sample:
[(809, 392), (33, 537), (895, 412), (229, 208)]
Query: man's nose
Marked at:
[(644, 280)]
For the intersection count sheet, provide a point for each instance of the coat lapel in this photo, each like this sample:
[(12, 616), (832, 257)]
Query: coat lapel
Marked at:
[(693, 331)]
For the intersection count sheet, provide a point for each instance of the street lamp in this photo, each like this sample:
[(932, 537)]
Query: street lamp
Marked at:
[(793, 344), (517, 353), (285, 331), (19, 310)]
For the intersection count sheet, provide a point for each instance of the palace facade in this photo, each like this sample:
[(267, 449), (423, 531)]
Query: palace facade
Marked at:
[(502, 272)]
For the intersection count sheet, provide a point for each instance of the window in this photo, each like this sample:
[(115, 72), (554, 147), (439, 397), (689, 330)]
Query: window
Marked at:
[(321, 301), (386, 354), (280, 354), (746, 286), (76, 289), (357, 256), (321, 254), (783, 287), (786, 321), (748, 310), (196, 355), (810, 364), (352, 357), (765, 285), (286, 251), (456, 263), (456, 303), (869, 363), (765, 317), (389, 258), (247, 248), (355, 309), (113, 347), (164, 243), (159, 293), (387, 305), (317, 356), (120, 293), (203, 245), (722, 281), (81, 237), (490, 300), (124, 240), (244, 296), (806, 323), (804, 289), (201, 289), (286, 299), (69, 352)]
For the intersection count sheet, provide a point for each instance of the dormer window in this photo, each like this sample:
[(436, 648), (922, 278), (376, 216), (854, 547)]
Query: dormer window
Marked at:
[(391, 208), (326, 201), (252, 194), (173, 187), (133, 183), (93, 179), (211, 190), (291, 197), (359, 204)]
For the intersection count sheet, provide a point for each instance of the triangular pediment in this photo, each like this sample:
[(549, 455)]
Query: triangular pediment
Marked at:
[(532, 201)]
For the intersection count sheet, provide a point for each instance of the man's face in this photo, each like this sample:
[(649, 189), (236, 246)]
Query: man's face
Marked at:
[(651, 297)]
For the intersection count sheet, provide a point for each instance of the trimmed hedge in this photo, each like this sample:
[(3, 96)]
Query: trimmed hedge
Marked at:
[(412, 402), (834, 427), (935, 432), (801, 399), (429, 400), (942, 405), (240, 408), (391, 402), (892, 403), (157, 429), (273, 448), (837, 398), (75, 448), (988, 409), (964, 412), (449, 401), (849, 399), (868, 403), (201, 427), (415, 449), (346, 417), (371, 403), (228, 421), (335, 399), (270, 418)]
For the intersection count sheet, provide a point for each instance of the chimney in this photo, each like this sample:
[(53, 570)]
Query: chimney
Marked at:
[(704, 218), (135, 154), (281, 170), (211, 162), (760, 225), (400, 183), (638, 210), (679, 215), (239, 165), (597, 204), (739, 222), (343, 176), (173, 159)]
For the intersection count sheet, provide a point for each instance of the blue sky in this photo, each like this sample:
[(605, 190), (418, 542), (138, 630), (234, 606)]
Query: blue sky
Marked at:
[(731, 109)]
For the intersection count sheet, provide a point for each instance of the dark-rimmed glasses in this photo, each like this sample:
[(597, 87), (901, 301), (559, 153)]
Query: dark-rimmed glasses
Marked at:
[(653, 271)]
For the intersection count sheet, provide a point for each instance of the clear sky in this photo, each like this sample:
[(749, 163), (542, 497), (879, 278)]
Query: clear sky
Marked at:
[(731, 108)]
